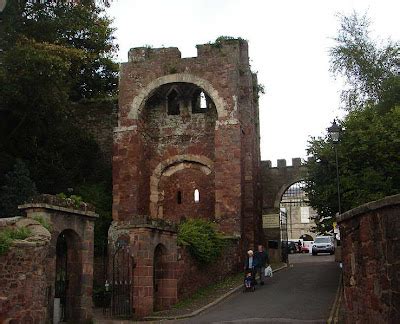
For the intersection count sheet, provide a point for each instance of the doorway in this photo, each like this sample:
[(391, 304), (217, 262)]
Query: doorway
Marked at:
[(68, 277)]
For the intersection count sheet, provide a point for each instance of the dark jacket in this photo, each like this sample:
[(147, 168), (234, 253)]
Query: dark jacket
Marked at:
[(262, 258), (255, 262)]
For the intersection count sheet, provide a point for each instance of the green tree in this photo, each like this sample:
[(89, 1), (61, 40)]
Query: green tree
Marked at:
[(41, 74), (17, 189), (368, 151), (370, 68), (54, 56)]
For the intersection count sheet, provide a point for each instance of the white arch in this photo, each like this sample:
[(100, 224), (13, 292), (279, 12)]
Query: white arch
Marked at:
[(143, 95)]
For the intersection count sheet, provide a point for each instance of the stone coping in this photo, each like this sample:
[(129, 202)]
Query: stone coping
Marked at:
[(370, 206), (90, 214)]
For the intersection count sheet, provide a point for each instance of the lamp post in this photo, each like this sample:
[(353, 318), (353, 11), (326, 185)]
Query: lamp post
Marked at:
[(334, 132)]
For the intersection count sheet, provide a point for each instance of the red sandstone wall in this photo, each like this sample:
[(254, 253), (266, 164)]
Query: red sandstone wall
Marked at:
[(370, 237), (23, 284), (227, 135), (185, 182), (193, 276)]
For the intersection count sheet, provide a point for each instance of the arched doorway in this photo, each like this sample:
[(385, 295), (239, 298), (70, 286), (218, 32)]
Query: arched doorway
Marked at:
[(160, 278), (300, 216), (68, 277)]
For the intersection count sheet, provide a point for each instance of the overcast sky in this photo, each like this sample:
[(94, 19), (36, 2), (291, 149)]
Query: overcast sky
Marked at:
[(288, 46)]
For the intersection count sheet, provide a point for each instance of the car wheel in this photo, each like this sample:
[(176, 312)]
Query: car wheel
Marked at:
[(333, 252)]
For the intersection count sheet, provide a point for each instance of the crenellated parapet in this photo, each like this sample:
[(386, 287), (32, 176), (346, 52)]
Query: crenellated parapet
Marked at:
[(275, 180)]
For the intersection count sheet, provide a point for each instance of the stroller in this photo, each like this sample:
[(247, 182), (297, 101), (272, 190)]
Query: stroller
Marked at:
[(249, 281)]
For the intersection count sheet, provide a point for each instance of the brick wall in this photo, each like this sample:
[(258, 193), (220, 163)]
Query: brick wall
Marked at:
[(370, 237), (23, 282)]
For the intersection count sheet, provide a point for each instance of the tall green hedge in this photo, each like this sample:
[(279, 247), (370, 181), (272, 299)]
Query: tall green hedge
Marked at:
[(205, 243)]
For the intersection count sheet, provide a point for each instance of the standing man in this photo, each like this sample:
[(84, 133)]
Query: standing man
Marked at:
[(262, 260)]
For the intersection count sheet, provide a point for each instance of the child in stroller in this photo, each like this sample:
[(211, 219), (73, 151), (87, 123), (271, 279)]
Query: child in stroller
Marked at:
[(249, 281)]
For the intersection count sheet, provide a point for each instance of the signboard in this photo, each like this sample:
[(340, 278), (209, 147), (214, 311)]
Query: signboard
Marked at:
[(271, 221)]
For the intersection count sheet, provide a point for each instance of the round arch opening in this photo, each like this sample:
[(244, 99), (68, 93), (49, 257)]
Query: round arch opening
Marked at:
[(164, 286), (294, 204), (143, 96)]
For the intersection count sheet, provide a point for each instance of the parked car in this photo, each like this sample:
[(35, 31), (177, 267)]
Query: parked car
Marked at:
[(323, 244), (289, 246)]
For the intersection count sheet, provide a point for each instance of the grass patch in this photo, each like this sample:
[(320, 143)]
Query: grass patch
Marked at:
[(229, 282), (8, 235)]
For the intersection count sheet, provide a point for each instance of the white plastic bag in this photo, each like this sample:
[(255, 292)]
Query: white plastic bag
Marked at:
[(268, 271)]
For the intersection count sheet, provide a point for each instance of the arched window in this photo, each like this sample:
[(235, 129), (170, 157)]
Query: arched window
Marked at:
[(196, 195), (173, 103)]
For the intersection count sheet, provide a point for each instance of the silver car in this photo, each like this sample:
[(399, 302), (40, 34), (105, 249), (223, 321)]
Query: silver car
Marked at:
[(323, 244)]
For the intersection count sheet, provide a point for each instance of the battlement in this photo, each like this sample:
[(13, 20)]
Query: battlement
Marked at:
[(139, 54), (221, 48), (281, 163)]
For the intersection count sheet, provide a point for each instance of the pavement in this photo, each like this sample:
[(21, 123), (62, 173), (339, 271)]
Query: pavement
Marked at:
[(303, 293)]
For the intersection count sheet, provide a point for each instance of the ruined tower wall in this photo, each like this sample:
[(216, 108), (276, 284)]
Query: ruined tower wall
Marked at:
[(216, 152)]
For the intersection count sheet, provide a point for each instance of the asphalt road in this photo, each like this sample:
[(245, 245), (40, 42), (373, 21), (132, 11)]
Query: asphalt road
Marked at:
[(302, 293)]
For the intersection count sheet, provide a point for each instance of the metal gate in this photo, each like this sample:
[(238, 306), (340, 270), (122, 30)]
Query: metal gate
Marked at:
[(61, 284), (122, 280)]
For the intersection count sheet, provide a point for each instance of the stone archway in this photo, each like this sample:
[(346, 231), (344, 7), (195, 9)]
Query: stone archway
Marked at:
[(68, 277), (141, 98), (169, 167), (160, 275), (283, 189)]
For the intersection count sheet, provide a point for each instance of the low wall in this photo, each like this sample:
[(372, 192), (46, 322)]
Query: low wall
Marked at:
[(370, 237), (192, 276), (23, 285)]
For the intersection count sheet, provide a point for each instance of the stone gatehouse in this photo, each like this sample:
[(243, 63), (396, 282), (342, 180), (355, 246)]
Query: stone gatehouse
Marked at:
[(186, 146)]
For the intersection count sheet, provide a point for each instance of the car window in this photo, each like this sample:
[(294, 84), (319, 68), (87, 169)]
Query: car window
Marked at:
[(322, 240)]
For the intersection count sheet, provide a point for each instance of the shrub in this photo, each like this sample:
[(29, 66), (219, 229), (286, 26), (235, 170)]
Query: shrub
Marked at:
[(8, 235), (205, 243)]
